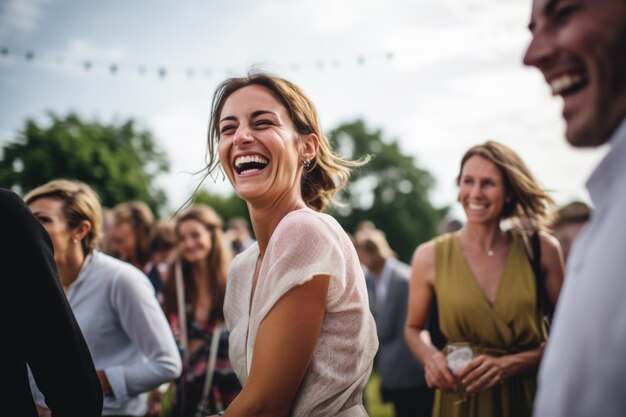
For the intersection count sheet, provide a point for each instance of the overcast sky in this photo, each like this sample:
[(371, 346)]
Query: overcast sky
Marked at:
[(436, 75)]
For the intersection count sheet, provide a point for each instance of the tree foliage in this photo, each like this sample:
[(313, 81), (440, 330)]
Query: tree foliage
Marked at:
[(390, 190), (120, 161), (227, 207)]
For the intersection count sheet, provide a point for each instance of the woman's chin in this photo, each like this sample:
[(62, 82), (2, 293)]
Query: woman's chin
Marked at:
[(192, 259)]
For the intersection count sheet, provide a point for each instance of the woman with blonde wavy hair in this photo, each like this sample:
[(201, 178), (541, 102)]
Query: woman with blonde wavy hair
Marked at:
[(128, 336), (302, 339), (487, 291)]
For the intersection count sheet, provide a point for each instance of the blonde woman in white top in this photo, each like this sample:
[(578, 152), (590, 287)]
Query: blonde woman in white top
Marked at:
[(302, 338)]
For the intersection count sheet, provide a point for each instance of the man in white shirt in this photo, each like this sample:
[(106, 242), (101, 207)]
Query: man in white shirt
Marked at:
[(580, 47)]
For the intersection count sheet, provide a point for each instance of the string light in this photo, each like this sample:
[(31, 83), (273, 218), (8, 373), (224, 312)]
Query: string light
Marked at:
[(189, 72)]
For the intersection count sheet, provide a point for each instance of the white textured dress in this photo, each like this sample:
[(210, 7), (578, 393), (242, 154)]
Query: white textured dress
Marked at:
[(305, 244)]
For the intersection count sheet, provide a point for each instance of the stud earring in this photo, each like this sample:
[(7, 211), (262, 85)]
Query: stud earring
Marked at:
[(306, 163)]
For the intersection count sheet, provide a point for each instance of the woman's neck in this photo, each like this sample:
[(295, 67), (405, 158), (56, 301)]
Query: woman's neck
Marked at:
[(200, 276), (483, 237), (265, 219), (70, 267)]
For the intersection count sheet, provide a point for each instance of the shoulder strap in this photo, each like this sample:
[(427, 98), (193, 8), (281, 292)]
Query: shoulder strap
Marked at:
[(182, 313), (543, 302), (210, 369)]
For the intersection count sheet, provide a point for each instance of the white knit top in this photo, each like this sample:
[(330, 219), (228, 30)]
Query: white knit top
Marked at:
[(305, 244)]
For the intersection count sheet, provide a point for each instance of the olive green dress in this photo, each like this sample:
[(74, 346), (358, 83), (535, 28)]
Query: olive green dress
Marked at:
[(510, 325)]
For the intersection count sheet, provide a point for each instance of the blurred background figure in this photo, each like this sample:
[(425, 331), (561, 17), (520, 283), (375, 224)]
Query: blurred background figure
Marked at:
[(129, 234), (238, 234), (449, 225), (568, 223), (161, 249), (132, 346), (107, 220), (365, 225), (486, 290), (43, 331), (401, 374), (194, 300)]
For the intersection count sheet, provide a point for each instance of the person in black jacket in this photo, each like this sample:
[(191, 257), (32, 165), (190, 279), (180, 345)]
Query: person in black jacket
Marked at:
[(39, 327)]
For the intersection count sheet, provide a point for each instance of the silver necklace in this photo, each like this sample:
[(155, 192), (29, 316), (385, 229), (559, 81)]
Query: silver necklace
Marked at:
[(489, 251)]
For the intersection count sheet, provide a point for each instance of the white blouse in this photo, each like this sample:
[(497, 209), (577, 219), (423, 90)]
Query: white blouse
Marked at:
[(305, 244)]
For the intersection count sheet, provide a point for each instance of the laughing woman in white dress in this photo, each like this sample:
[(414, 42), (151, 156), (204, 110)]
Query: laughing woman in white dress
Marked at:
[(302, 339)]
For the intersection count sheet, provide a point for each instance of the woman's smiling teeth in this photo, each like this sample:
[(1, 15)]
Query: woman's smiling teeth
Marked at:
[(250, 163), (472, 206)]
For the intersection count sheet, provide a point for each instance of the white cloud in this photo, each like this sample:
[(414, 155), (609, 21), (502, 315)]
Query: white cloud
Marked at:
[(85, 49), (456, 78), (20, 15)]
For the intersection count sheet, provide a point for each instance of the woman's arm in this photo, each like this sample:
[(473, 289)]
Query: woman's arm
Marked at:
[(283, 350), (551, 266), (420, 295), (143, 320), (484, 372)]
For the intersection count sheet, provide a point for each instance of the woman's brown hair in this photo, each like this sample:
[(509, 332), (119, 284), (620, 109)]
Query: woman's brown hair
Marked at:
[(218, 261), (525, 198), (327, 171), (141, 220)]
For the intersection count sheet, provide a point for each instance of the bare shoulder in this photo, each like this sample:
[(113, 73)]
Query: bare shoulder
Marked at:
[(552, 265), (423, 263), (550, 246), (425, 253)]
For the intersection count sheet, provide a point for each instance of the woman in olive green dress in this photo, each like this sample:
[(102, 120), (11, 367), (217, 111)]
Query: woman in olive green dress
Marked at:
[(486, 289)]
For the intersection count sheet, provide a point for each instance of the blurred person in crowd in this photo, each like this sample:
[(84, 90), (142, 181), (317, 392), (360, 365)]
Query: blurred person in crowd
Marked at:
[(401, 374), (302, 338), (162, 246), (486, 289), (568, 223), (44, 333), (129, 234), (107, 220), (579, 47), (132, 346), (450, 225), (365, 225), (238, 234), (194, 298)]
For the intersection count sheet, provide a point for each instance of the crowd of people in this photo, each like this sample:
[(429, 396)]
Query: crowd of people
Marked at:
[(134, 316)]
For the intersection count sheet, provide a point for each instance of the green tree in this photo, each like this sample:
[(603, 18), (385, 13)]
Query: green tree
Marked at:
[(120, 161), (390, 190), (227, 207)]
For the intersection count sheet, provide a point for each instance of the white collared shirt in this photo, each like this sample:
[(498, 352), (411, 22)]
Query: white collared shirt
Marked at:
[(583, 372), (126, 331)]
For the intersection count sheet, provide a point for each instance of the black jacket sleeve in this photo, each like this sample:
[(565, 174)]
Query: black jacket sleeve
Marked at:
[(43, 331)]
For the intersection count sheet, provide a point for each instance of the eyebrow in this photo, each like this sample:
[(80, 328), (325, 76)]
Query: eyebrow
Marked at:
[(252, 115), (547, 10)]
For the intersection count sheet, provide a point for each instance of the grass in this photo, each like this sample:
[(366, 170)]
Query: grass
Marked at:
[(375, 406)]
